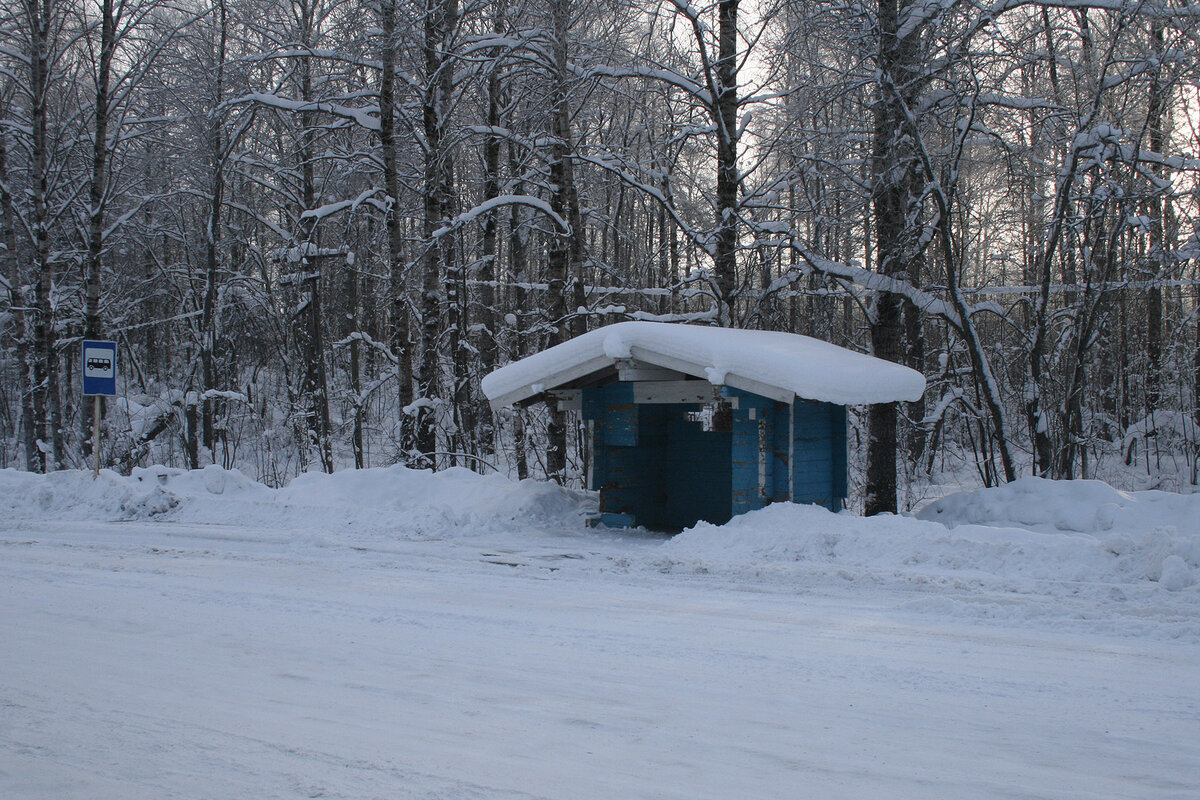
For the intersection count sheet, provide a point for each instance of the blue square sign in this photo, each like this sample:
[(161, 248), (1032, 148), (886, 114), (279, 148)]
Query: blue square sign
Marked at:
[(99, 368)]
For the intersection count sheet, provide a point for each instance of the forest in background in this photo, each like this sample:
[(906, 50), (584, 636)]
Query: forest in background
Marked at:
[(312, 226)]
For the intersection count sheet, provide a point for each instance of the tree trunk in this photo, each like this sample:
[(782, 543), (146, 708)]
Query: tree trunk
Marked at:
[(307, 323), (351, 325), (518, 273), (896, 222), (10, 270), (44, 351), (212, 246), (486, 340), (1196, 393), (725, 108), (1155, 119), (398, 338), (565, 246), (441, 17), (96, 196)]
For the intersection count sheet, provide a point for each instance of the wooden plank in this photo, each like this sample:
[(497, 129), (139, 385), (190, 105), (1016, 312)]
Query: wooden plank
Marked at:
[(841, 479), (673, 391), (620, 416), (669, 362), (781, 452), (617, 520), (812, 457), (593, 412), (571, 373), (765, 461), (744, 457), (629, 369), (567, 399), (701, 371), (792, 452), (759, 388)]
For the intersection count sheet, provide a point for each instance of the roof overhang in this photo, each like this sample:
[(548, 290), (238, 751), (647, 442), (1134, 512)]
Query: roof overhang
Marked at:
[(779, 366)]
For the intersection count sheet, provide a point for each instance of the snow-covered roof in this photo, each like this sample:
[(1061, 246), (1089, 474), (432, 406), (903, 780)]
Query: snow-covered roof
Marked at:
[(773, 364)]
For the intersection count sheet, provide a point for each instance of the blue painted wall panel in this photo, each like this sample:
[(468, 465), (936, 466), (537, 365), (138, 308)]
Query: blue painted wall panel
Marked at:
[(650, 452), (781, 452), (752, 411), (819, 465), (621, 417), (696, 471), (655, 466), (745, 462), (841, 479), (593, 411)]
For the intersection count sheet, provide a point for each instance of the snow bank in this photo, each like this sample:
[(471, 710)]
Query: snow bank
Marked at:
[(392, 501), (74, 495), (785, 533), (1084, 506), (1035, 551)]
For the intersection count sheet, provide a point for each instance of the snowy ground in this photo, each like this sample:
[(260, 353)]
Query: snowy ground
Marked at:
[(397, 634)]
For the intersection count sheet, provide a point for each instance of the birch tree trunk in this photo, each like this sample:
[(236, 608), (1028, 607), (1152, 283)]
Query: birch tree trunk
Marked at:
[(725, 108), (212, 242), (565, 247), (96, 195), (17, 306), (307, 322), (441, 17), (47, 407), (399, 329)]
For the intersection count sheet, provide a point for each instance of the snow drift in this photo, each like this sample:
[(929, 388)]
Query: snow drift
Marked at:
[(393, 502), (1034, 551)]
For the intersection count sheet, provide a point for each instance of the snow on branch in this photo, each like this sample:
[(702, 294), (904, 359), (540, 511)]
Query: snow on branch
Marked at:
[(259, 218), (671, 77), (492, 204), (918, 14), (607, 163), (1141, 9), (869, 280), (709, 316), (221, 394), (365, 338), (329, 209), (366, 117)]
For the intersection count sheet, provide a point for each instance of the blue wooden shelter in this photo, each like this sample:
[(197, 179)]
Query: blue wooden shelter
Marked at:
[(690, 423)]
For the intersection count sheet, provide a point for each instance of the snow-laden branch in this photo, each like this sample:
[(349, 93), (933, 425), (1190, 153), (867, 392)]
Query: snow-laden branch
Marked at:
[(367, 117), (920, 13), (1187, 10), (699, 239), (365, 338), (494, 203), (259, 218), (923, 300), (329, 209), (670, 77)]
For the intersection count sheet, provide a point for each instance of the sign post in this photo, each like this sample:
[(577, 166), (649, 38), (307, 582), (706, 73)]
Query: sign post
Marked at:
[(99, 380)]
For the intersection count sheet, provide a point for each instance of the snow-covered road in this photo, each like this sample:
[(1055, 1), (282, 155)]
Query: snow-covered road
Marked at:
[(180, 659)]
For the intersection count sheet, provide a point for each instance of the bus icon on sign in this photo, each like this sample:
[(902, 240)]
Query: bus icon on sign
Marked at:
[(99, 368), (98, 363)]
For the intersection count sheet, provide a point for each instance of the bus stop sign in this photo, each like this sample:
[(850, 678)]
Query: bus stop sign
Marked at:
[(99, 368)]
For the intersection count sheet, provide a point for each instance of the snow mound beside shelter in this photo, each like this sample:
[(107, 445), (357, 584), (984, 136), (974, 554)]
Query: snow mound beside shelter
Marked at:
[(791, 364)]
